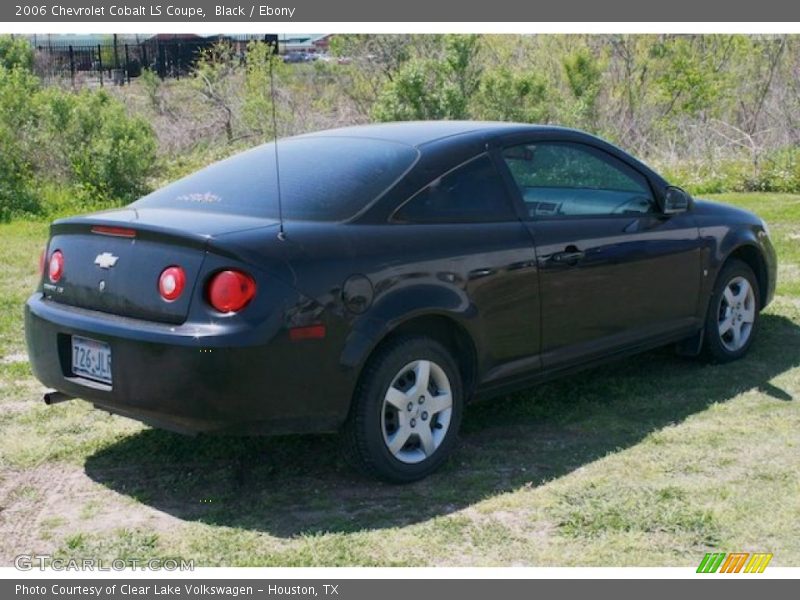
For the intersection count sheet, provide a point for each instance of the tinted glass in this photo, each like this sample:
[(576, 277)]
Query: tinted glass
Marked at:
[(472, 193), (571, 180), (322, 179)]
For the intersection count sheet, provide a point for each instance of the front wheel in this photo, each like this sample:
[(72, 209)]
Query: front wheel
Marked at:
[(406, 411), (732, 313)]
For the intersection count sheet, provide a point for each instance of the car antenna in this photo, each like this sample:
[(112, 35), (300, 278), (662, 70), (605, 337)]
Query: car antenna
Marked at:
[(281, 230)]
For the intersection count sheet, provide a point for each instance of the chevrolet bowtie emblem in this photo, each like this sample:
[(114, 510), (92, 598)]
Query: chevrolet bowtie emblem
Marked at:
[(106, 260)]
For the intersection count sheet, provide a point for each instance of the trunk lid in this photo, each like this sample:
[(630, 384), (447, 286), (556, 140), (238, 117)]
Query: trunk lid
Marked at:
[(118, 274)]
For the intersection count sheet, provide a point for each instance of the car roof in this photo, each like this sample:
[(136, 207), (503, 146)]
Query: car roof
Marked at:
[(419, 133)]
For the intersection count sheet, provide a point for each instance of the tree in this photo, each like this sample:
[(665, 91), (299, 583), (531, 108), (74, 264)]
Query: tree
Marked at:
[(15, 53), (262, 75), (433, 88), (367, 63), (691, 79), (507, 95), (584, 77), (215, 78)]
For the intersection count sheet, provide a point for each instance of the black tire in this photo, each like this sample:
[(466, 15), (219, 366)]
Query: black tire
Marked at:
[(363, 436), (714, 345)]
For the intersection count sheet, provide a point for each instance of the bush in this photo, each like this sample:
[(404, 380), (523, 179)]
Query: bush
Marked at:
[(433, 88), (15, 53), (83, 142), (505, 95), (15, 196), (707, 177), (17, 116), (107, 154), (779, 171), (152, 85)]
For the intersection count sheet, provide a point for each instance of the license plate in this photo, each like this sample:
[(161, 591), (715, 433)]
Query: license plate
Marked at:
[(91, 359)]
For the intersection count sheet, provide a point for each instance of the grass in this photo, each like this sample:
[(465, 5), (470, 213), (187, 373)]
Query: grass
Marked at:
[(651, 461)]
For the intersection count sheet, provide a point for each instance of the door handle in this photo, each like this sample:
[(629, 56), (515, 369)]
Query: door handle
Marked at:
[(478, 273), (570, 256)]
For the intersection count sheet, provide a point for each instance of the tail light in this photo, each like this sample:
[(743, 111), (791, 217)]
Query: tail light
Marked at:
[(56, 268), (171, 283), (230, 291)]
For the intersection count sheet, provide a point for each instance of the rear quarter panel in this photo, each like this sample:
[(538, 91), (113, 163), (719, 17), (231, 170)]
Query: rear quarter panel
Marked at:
[(482, 277)]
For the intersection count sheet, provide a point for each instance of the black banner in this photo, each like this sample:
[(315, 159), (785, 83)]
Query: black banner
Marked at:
[(392, 589), (261, 11)]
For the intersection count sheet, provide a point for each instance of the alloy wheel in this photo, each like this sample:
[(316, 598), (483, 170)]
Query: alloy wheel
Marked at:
[(416, 411), (737, 313)]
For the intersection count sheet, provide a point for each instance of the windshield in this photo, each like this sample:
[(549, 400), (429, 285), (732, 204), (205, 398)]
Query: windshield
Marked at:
[(322, 179)]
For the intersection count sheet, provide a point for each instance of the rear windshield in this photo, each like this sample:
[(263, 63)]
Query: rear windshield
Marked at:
[(322, 179)]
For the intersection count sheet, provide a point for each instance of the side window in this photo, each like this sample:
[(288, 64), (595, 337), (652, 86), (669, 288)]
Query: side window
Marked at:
[(562, 179), (472, 193)]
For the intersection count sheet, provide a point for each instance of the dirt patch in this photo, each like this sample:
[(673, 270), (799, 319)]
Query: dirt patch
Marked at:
[(39, 507), (17, 406), (20, 396), (16, 357), (521, 521)]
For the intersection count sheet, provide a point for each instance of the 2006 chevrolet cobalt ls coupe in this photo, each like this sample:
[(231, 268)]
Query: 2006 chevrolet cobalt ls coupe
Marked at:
[(407, 268)]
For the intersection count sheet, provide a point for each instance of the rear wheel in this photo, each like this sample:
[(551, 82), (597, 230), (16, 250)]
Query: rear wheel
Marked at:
[(732, 313), (406, 411)]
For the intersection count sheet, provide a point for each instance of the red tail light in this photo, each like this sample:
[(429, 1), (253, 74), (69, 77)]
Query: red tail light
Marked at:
[(171, 283), (56, 268), (230, 291)]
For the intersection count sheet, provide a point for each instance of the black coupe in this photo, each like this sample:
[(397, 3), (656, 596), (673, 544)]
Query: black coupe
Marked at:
[(371, 280)]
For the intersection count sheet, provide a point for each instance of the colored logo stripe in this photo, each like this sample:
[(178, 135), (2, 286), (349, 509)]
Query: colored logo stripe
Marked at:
[(757, 563), (711, 562), (734, 562)]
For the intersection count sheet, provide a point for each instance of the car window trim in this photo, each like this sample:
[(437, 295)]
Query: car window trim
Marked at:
[(524, 215)]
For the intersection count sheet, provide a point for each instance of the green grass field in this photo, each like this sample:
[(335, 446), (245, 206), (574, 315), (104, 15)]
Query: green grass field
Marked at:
[(650, 462)]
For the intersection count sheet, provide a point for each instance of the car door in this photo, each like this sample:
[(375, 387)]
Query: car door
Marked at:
[(467, 234), (614, 271)]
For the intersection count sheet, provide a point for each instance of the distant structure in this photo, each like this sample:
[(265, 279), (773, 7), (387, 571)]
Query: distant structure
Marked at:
[(309, 43), (118, 57)]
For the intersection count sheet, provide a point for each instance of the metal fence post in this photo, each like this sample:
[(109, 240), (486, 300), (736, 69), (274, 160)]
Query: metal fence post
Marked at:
[(100, 63), (71, 66), (162, 61), (127, 65)]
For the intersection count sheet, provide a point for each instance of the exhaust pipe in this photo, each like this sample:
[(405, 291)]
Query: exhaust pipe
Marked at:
[(55, 397)]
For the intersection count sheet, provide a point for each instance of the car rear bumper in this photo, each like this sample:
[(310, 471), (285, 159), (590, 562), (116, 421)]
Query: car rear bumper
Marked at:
[(189, 378)]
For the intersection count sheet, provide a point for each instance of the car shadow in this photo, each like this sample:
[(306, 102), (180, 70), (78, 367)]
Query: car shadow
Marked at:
[(297, 484)]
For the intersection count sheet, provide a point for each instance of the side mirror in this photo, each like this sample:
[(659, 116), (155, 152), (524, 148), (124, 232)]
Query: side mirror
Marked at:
[(675, 201)]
